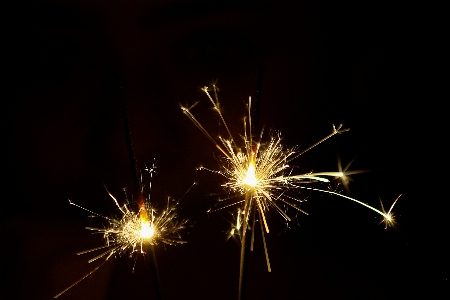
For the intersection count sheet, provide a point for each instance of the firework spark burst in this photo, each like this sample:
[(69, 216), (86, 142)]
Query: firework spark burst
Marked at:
[(134, 231), (259, 175)]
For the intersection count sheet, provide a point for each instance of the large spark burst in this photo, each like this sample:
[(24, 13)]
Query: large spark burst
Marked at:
[(134, 231), (259, 175)]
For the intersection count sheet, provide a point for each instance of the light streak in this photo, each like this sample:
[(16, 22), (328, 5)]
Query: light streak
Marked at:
[(258, 173), (133, 231)]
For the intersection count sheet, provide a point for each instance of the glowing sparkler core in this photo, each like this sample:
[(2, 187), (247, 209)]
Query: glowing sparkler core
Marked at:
[(250, 179), (147, 229)]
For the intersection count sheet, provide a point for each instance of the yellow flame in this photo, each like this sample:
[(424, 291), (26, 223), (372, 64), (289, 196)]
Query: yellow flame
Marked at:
[(147, 229), (250, 180)]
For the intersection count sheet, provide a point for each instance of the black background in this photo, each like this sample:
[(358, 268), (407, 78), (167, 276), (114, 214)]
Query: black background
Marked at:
[(62, 137)]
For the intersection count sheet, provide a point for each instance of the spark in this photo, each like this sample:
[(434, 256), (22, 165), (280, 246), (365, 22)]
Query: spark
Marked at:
[(344, 174), (389, 217), (235, 225), (133, 231), (259, 174)]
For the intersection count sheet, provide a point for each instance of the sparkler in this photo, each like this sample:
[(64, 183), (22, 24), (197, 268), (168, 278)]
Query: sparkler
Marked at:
[(258, 172), (134, 232), (131, 231)]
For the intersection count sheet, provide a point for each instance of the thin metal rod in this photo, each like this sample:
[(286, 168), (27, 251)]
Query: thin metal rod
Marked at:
[(138, 187), (155, 273), (256, 104), (244, 250), (129, 138)]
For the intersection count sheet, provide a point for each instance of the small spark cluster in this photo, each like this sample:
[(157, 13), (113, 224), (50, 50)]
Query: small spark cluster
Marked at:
[(134, 232)]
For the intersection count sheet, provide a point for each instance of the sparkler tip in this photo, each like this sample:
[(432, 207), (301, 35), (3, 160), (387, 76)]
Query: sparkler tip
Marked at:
[(389, 217), (339, 129)]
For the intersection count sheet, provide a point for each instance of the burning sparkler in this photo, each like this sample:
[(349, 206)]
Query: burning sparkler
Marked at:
[(134, 232), (259, 173)]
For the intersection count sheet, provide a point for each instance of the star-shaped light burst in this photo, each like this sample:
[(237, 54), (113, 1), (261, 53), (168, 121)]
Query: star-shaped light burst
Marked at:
[(134, 231), (258, 173)]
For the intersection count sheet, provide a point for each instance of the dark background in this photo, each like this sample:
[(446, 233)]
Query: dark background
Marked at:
[(62, 137)]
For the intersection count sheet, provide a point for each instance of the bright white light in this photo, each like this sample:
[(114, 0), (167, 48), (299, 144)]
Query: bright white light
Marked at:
[(147, 231), (250, 179)]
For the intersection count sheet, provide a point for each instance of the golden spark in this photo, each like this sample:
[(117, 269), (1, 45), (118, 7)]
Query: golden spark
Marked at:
[(133, 231), (259, 172)]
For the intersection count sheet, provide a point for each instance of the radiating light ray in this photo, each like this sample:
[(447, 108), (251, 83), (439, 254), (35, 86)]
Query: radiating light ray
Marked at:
[(344, 174), (133, 230), (81, 279), (266, 252)]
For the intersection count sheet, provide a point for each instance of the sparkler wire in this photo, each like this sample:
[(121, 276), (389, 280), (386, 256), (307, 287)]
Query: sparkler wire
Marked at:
[(255, 109), (155, 273), (244, 250), (129, 137), (139, 188)]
